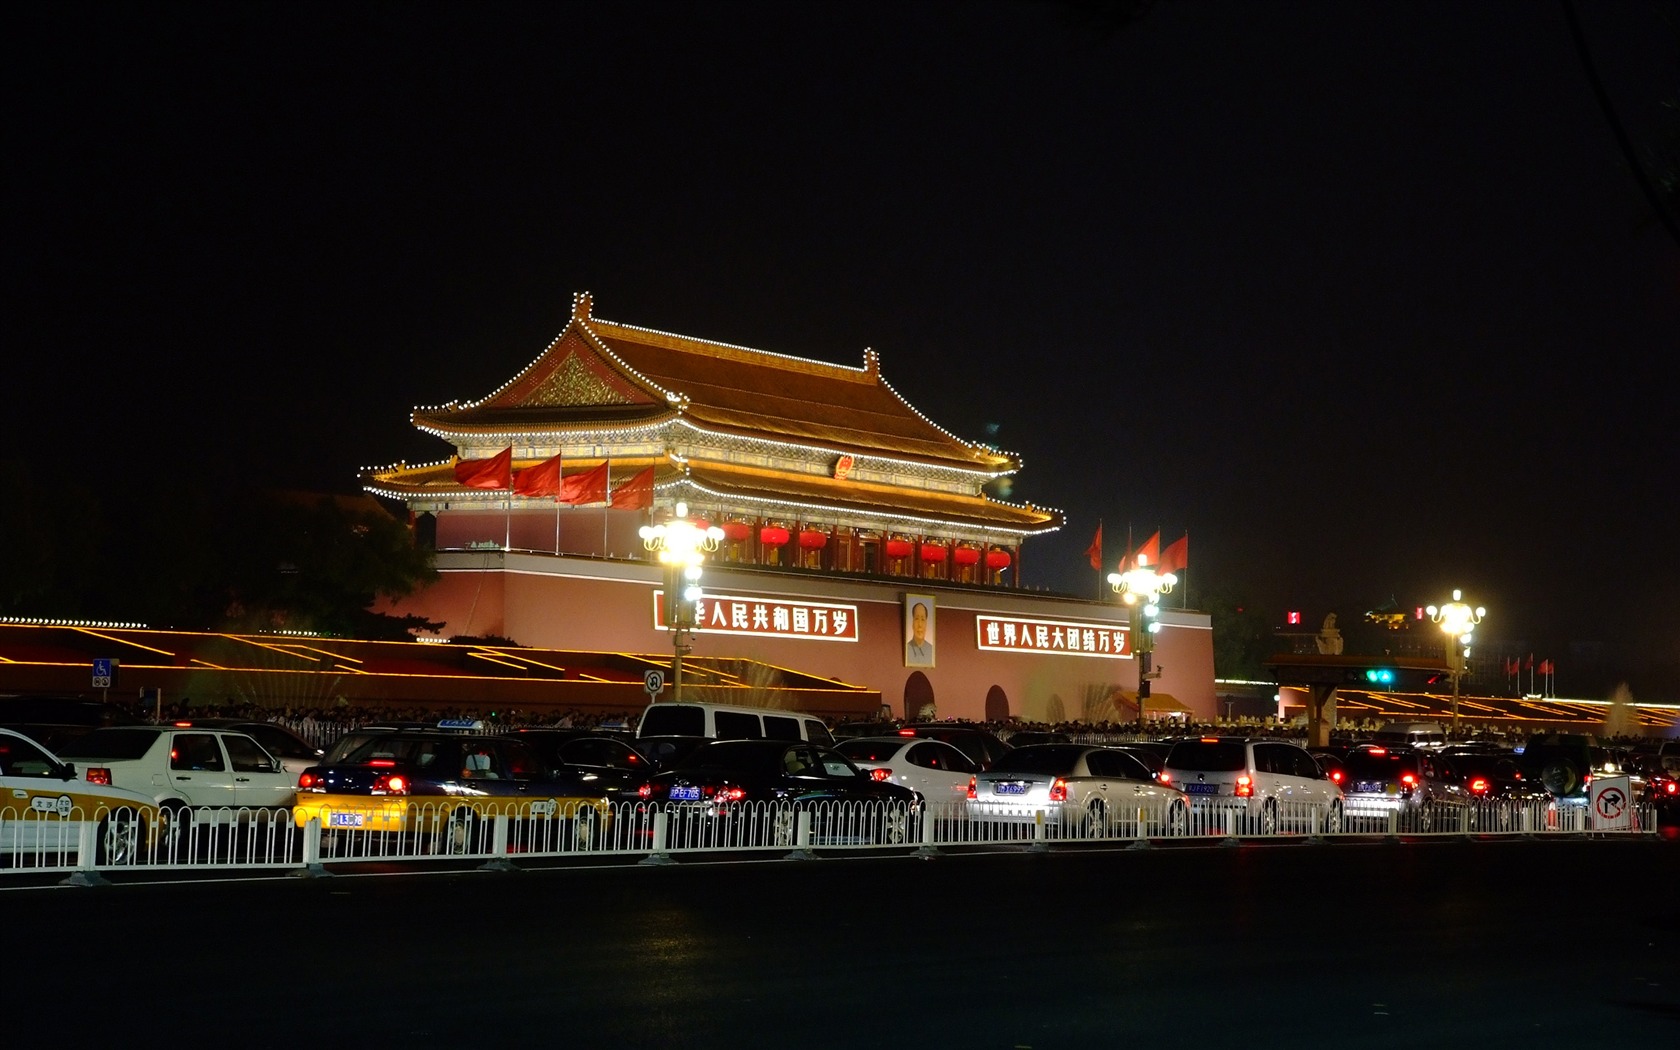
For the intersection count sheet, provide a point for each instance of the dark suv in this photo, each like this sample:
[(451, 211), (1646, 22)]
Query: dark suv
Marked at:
[(1564, 764)]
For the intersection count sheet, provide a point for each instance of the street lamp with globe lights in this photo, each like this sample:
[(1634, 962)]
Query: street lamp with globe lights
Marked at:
[(1140, 589), (1459, 622), (682, 546)]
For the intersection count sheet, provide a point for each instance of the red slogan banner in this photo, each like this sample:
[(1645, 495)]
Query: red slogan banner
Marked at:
[(1014, 634), (768, 617)]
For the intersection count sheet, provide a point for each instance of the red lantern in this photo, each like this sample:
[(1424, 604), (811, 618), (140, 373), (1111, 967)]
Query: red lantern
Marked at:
[(700, 523), (965, 556), (736, 531), (898, 548), (772, 535), (996, 560), (933, 552), (812, 540)]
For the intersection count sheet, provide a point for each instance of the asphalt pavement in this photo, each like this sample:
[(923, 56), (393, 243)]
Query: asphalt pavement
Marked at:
[(1462, 943)]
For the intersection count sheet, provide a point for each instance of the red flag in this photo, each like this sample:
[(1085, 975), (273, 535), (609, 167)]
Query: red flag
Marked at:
[(1094, 551), (635, 494), (1545, 667), (1513, 665), (1176, 556), (540, 480), (1528, 664), (493, 473), (588, 487), (1149, 555)]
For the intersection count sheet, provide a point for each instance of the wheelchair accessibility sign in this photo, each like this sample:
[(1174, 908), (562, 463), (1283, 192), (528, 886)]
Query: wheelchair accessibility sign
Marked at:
[(1610, 801)]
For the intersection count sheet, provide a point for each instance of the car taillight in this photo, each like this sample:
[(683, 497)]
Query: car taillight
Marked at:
[(1671, 787), (307, 781), (1336, 776), (645, 791), (729, 794), (1587, 779), (1376, 751), (391, 784), (878, 774), (99, 775), (1245, 786), (1478, 786), (1408, 779), (971, 792), (1164, 777), (1058, 790)]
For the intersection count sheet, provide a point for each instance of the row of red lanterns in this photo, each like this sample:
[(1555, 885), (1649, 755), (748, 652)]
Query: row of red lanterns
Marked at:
[(812, 539)]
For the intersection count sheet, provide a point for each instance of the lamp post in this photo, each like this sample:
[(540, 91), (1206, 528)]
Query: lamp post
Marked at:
[(682, 546), (1140, 588), (1459, 622)]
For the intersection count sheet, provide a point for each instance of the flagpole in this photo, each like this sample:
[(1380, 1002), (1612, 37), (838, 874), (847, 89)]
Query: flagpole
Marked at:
[(605, 509), (557, 524)]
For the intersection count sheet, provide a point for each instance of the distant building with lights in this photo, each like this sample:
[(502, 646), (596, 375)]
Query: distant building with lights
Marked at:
[(841, 507)]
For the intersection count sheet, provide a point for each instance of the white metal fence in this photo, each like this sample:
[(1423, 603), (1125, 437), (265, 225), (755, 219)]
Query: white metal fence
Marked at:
[(85, 845)]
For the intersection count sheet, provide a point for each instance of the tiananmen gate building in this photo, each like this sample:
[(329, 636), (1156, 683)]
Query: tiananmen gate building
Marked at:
[(841, 508)]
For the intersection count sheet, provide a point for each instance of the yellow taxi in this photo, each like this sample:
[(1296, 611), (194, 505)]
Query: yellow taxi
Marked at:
[(444, 787), (44, 806)]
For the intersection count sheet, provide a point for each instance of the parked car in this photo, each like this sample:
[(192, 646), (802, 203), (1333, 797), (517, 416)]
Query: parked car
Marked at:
[(54, 721), (934, 768), (1564, 763), (443, 790), (591, 762), (730, 722), (1080, 790), (1263, 785), (977, 742), (1421, 789), (185, 769), (1497, 788), (752, 793), (46, 804), (293, 751)]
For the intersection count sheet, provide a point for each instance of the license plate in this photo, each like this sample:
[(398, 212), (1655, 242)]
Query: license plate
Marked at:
[(1368, 787), (1201, 789), (1008, 787), (681, 793), (346, 820)]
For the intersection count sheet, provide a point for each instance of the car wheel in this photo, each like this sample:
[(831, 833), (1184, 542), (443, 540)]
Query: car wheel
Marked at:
[(174, 829), (460, 832), (1096, 819), (586, 828), (1333, 822), (1560, 777), (1269, 818), (784, 826), (119, 838), (1178, 819)]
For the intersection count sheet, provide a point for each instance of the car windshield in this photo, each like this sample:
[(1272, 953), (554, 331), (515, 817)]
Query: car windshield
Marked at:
[(1039, 758), (1378, 765), (870, 750), (111, 744), (390, 747), (672, 720), (743, 755), (1215, 756)]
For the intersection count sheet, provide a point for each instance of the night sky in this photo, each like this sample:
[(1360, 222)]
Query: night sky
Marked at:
[(1363, 297)]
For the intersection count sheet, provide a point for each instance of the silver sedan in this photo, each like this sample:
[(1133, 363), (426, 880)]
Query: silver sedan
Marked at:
[(1080, 790)]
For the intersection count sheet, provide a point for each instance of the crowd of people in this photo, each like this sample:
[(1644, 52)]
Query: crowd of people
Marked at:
[(324, 722)]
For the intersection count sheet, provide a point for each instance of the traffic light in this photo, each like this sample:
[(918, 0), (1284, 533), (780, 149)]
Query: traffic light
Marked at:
[(1372, 677)]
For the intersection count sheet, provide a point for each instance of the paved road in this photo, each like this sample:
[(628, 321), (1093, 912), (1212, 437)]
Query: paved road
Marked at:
[(1536, 945)]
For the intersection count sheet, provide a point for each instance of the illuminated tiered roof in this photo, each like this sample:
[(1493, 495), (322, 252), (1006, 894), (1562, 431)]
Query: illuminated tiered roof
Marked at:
[(742, 430)]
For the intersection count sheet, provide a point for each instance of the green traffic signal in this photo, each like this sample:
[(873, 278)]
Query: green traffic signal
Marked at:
[(1380, 676)]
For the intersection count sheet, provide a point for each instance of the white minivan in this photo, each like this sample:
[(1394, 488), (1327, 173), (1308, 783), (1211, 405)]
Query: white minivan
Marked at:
[(1268, 785), (667, 718)]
